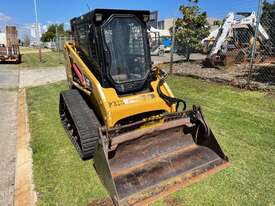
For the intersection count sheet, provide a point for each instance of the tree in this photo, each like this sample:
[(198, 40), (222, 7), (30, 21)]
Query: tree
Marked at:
[(268, 7), (53, 31), (26, 41), (191, 28), (217, 23)]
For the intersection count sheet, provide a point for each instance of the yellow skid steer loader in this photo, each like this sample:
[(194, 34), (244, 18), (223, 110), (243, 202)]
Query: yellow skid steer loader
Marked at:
[(120, 112)]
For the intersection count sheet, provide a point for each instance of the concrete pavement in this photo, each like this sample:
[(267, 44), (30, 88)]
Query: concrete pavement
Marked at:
[(29, 78), (8, 133), (9, 77)]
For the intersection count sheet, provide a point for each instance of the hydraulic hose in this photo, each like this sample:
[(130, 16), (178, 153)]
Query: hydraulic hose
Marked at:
[(170, 100)]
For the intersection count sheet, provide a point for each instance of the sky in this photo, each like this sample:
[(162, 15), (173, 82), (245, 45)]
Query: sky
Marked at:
[(21, 12)]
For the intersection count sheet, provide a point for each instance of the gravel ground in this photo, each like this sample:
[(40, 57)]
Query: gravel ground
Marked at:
[(263, 76), (166, 58)]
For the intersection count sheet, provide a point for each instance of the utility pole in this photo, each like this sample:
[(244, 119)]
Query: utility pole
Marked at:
[(37, 32), (172, 46), (253, 52), (56, 38), (57, 42)]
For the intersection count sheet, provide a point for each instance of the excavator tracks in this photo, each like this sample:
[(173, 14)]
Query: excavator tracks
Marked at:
[(80, 122)]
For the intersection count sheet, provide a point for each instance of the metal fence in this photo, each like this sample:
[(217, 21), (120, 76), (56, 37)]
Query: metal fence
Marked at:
[(240, 51), (262, 69), (60, 41)]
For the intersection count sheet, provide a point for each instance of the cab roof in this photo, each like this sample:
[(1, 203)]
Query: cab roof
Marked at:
[(106, 13)]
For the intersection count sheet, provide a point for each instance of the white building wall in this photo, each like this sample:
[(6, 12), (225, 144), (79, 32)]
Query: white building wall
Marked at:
[(165, 24), (168, 24), (3, 39), (41, 30)]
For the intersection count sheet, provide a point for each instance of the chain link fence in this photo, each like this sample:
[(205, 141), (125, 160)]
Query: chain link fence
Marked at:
[(60, 41), (262, 69), (240, 50)]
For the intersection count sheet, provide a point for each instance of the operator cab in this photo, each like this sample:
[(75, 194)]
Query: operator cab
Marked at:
[(114, 44)]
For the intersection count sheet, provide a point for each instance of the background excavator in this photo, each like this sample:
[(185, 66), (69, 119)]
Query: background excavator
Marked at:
[(120, 112), (234, 38)]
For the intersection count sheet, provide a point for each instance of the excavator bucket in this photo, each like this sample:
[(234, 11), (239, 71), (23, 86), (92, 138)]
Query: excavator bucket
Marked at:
[(139, 166)]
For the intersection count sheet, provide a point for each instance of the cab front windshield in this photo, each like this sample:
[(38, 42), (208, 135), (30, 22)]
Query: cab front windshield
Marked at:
[(125, 38)]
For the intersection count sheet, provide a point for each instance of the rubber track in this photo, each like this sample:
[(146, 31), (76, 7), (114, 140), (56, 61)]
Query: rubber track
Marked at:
[(83, 121)]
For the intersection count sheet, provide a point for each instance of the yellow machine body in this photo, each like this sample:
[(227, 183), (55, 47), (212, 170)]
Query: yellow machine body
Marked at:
[(112, 107)]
